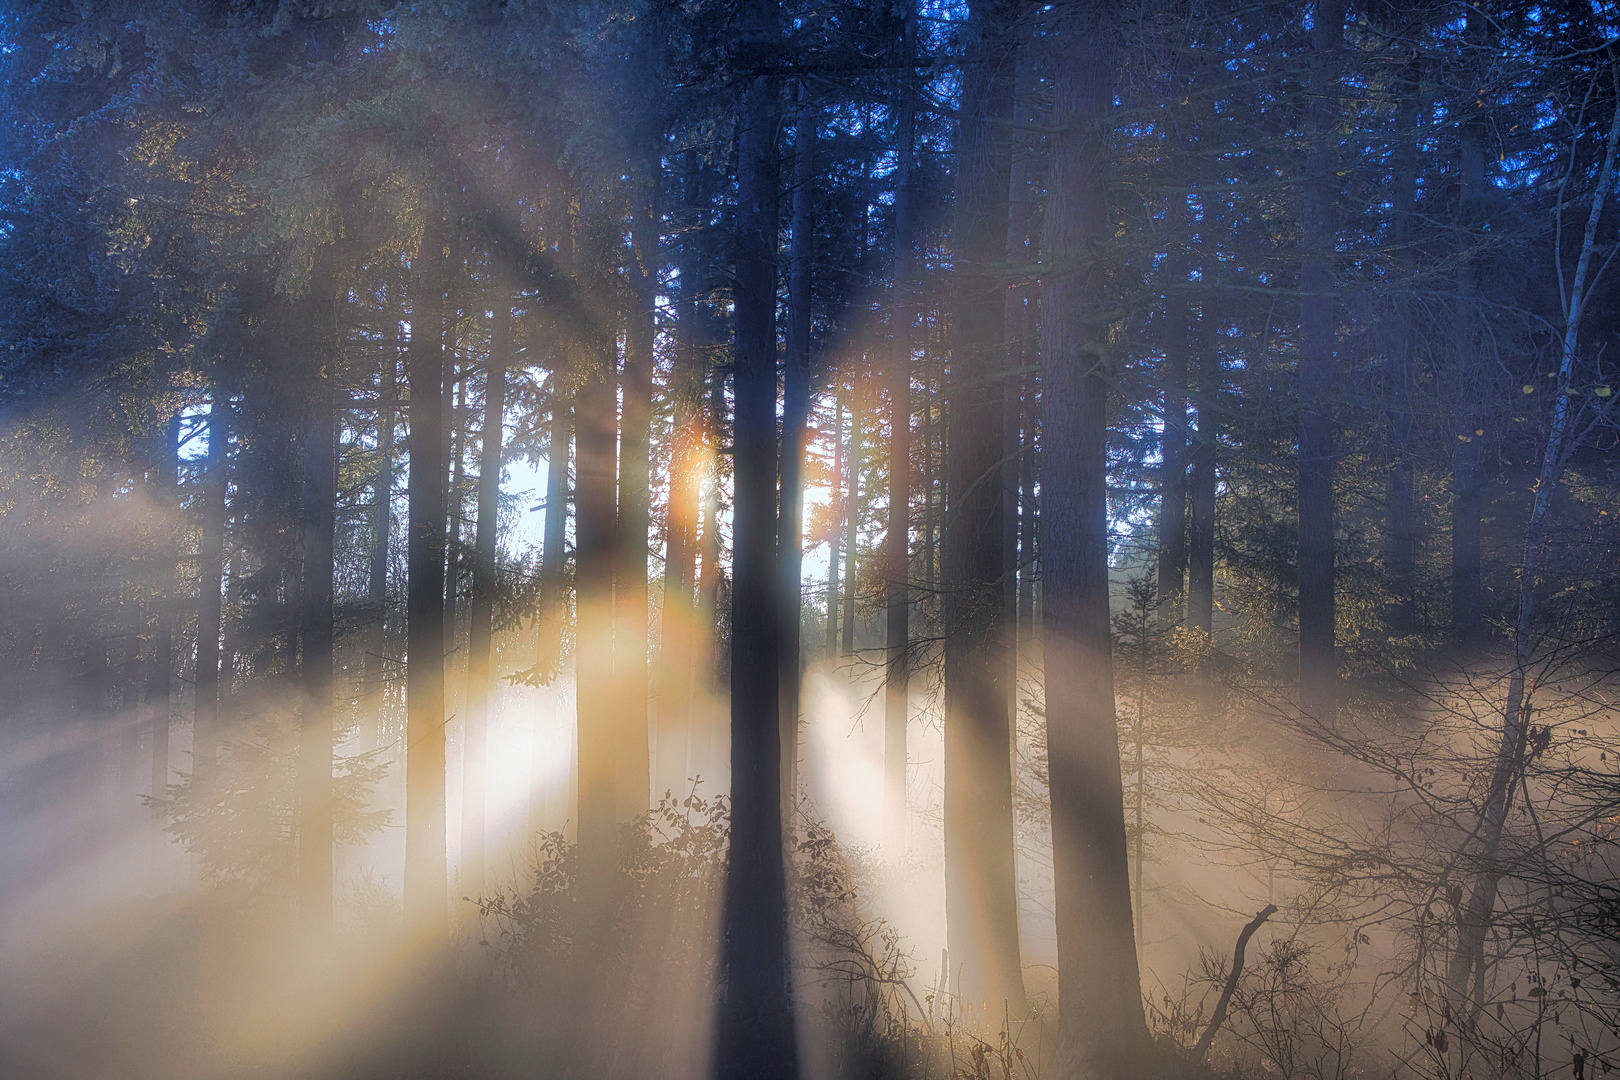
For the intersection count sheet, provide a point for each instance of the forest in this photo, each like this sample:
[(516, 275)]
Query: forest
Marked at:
[(844, 539)]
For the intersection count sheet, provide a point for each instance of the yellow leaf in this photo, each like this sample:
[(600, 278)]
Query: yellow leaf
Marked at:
[(1527, 388)]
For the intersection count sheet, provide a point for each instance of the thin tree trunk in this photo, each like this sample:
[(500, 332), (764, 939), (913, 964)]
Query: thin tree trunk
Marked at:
[(1201, 529), (211, 562), (553, 604), (1475, 919), (425, 856), (455, 437), (680, 622), (374, 679), (1467, 472), (931, 479), (1401, 532), (754, 1034), (981, 900), (632, 754), (679, 650), (834, 540), (704, 748), (1102, 1032), (897, 543), (553, 554), (1173, 463), (1318, 663), (1020, 302), (1139, 836), (481, 624), (160, 677), (852, 518), (317, 629), (795, 416), (1028, 518), (595, 536)]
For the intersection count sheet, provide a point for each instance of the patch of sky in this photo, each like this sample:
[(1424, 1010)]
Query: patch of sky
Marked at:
[(194, 432)]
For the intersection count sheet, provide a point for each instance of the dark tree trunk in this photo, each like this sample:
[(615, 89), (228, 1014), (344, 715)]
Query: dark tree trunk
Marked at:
[(754, 1035), (981, 902), (897, 543), (317, 629), (1318, 662), (425, 865), (211, 562), (795, 415), (1102, 1032), (481, 621)]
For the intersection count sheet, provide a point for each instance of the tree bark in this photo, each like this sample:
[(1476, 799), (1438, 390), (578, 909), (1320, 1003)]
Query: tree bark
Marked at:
[(425, 857), (1318, 662), (981, 900), (1102, 1032), (754, 1033)]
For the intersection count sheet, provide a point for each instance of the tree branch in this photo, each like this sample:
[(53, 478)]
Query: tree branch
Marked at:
[(1219, 1017)]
